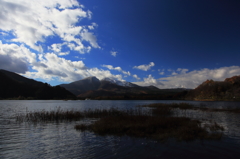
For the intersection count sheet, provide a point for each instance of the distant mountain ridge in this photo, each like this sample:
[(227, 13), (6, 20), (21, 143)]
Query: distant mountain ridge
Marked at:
[(107, 88), (94, 84), (15, 86)]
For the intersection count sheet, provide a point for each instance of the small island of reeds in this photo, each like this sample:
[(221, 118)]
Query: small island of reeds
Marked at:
[(154, 121)]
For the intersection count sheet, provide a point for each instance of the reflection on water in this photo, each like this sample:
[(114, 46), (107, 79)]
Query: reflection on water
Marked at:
[(52, 140)]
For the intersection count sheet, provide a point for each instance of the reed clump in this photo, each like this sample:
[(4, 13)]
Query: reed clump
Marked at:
[(156, 127), (154, 123), (98, 113), (59, 115)]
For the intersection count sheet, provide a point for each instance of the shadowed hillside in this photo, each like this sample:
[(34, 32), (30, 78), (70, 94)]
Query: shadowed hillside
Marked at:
[(229, 89), (14, 86)]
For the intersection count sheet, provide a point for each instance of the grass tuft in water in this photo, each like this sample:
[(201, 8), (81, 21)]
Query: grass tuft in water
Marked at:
[(156, 127), (156, 123), (59, 114)]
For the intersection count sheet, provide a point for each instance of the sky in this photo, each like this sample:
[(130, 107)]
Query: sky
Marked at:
[(165, 43)]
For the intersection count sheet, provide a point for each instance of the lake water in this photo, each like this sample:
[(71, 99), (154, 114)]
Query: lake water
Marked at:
[(61, 140)]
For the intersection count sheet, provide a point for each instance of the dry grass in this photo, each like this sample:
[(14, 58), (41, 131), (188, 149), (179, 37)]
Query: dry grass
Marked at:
[(155, 123), (156, 127), (59, 114)]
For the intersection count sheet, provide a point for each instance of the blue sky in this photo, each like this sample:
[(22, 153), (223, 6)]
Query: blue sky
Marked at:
[(166, 43)]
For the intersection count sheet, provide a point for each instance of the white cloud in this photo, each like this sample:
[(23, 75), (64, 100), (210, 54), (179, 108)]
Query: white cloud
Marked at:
[(99, 73), (194, 78), (136, 76), (182, 70), (47, 66), (110, 67), (93, 26), (66, 70), (144, 67), (126, 73), (32, 21), (174, 73), (63, 53), (191, 79), (150, 80), (114, 53), (56, 47), (15, 58), (88, 36)]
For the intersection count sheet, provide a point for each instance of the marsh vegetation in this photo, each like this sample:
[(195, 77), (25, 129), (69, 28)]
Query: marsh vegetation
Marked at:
[(157, 121)]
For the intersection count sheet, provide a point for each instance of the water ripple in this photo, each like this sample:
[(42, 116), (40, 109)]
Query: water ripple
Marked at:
[(61, 140)]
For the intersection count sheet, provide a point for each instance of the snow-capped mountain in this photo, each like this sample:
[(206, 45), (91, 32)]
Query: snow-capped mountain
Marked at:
[(92, 86), (120, 83)]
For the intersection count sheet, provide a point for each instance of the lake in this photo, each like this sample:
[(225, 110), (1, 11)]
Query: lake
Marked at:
[(61, 140)]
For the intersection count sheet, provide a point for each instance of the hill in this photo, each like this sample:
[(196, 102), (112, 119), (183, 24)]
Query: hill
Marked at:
[(14, 86), (210, 90)]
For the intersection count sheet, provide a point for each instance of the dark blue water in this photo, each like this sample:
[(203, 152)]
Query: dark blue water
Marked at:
[(61, 140)]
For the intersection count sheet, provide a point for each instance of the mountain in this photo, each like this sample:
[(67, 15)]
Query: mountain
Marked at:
[(94, 84), (107, 88), (210, 90), (21, 79), (18, 87), (120, 83), (81, 86)]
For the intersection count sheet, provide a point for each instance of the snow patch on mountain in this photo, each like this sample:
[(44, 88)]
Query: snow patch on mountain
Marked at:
[(120, 83)]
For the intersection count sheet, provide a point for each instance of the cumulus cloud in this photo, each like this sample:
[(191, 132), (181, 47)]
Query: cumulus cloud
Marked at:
[(126, 73), (93, 26), (13, 64), (191, 79), (114, 53), (33, 21), (47, 66), (88, 36), (145, 67), (16, 58), (66, 70), (161, 73), (63, 53), (56, 47), (182, 70), (136, 77), (110, 67), (150, 80)]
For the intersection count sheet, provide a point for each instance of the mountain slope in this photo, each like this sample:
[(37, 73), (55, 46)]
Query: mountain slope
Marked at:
[(18, 87), (81, 86), (229, 89), (21, 79)]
